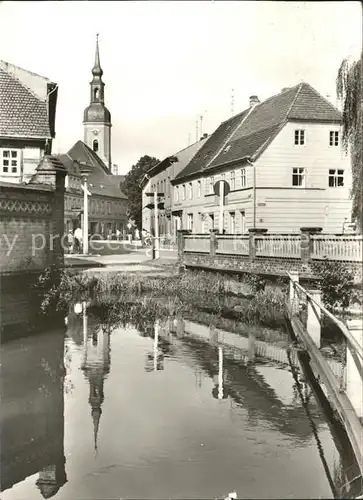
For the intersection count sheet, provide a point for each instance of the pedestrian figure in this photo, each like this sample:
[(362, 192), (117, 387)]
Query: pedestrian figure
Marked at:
[(118, 234), (70, 241), (78, 240)]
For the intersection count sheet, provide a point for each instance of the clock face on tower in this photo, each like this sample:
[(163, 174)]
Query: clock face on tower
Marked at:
[(95, 131)]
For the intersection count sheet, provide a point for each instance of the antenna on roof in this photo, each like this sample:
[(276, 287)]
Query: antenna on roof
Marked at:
[(201, 123), (232, 102), (196, 131)]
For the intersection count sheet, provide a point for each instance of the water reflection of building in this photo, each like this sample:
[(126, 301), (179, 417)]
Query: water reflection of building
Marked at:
[(246, 386), (220, 389), (155, 360), (32, 411), (95, 365)]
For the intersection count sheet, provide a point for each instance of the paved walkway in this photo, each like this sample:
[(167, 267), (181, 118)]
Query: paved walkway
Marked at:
[(136, 261)]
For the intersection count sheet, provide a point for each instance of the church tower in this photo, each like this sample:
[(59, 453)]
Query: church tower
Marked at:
[(97, 118)]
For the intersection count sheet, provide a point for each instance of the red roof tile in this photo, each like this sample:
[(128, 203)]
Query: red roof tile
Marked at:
[(249, 133), (22, 112)]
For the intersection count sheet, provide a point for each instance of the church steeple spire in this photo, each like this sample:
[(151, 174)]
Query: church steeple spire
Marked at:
[(96, 117), (96, 415), (97, 70)]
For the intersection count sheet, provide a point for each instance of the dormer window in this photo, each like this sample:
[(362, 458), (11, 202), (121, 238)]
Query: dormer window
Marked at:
[(95, 145), (96, 93)]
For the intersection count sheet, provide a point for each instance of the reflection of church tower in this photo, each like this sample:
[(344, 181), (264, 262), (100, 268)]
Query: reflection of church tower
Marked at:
[(97, 118), (51, 478), (96, 365)]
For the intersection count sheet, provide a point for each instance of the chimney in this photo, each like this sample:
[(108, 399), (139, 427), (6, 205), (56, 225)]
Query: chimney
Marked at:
[(254, 100), (205, 135)]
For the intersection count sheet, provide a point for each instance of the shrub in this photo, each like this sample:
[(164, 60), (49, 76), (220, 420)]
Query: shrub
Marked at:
[(336, 284)]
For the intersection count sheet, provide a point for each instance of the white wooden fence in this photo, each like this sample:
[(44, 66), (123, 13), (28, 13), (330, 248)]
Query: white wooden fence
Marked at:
[(341, 247), (233, 245), (197, 243), (278, 245), (333, 247)]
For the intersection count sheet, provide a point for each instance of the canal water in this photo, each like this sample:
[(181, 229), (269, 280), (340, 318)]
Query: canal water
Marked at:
[(89, 413)]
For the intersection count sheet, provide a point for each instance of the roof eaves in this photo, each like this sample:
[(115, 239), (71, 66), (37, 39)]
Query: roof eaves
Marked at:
[(191, 175), (319, 120), (25, 136), (228, 163)]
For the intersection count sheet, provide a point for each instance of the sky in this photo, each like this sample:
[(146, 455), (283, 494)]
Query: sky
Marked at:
[(166, 63)]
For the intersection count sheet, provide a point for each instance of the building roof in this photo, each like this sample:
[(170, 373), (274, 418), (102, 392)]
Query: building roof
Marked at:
[(181, 159), (25, 109), (101, 181), (247, 135)]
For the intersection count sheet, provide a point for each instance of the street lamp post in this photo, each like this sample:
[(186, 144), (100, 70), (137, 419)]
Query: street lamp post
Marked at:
[(85, 171), (156, 205)]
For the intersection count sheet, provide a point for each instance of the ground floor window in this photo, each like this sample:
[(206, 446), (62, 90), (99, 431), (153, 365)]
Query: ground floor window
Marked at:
[(243, 221), (10, 161), (211, 221), (190, 222), (232, 222), (336, 178), (298, 177)]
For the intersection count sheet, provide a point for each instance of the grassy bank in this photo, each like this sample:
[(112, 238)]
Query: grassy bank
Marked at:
[(189, 294)]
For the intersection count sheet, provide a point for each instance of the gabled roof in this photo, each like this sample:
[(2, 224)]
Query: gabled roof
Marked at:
[(101, 181), (25, 111), (211, 146), (180, 159), (248, 134)]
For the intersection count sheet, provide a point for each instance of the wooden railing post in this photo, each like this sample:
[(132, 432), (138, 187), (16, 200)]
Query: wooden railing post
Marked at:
[(213, 242), (307, 243), (253, 232), (354, 389), (293, 296), (313, 325), (181, 240)]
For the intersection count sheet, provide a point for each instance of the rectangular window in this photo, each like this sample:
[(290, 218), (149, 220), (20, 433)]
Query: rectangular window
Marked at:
[(10, 161), (233, 180), (190, 191), (210, 185), (199, 189), (176, 193), (300, 137), (243, 177), (243, 222), (202, 222), (298, 177), (232, 222), (183, 192), (190, 222), (211, 221), (336, 178), (333, 138)]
